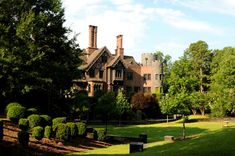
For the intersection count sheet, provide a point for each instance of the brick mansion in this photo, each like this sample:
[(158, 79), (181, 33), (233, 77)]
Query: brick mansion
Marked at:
[(104, 70)]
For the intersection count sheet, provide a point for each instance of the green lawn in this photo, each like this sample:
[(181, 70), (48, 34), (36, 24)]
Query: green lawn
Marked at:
[(203, 138)]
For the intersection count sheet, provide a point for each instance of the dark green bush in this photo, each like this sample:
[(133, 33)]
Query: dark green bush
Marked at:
[(1, 130), (62, 131), (81, 128), (31, 111), (100, 132), (23, 138), (47, 132), (23, 124), (11, 105), (37, 132), (73, 129), (57, 121), (34, 120), (15, 113), (46, 120)]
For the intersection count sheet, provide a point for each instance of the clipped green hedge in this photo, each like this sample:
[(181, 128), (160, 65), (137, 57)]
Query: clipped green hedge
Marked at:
[(1, 130), (37, 132), (31, 111), (48, 132), (46, 120), (73, 129), (15, 113), (62, 131), (100, 132), (57, 121), (34, 120), (11, 105), (81, 128), (23, 124), (23, 138)]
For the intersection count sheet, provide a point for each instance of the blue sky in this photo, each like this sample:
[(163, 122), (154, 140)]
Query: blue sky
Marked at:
[(153, 25)]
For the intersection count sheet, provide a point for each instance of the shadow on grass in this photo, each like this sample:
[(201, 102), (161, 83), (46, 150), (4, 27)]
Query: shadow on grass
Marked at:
[(219, 143)]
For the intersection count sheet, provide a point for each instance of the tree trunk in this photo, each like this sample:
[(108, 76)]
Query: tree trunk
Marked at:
[(194, 111), (184, 129), (202, 110), (167, 118)]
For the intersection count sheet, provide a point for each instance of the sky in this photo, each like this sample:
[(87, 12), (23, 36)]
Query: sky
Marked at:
[(147, 26)]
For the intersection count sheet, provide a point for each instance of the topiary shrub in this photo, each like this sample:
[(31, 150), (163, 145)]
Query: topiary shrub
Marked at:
[(31, 111), (57, 121), (47, 132), (1, 130), (100, 132), (34, 120), (46, 120), (37, 132), (15, 113), (11, 105), (62, 131), (81, 128), (23, 124), (73, 129), (23, 138)]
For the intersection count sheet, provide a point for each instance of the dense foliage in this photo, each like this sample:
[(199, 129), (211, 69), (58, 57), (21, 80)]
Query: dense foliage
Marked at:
[(23, 124), (15, 113), (37, 132), (34, 120)]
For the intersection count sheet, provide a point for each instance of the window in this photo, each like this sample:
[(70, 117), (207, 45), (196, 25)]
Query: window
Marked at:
[(101, 72), (147, 89), (118, 73), (128, 89), (129, 76), (104, 59), (147, 76), (156, 76), (92, 73)]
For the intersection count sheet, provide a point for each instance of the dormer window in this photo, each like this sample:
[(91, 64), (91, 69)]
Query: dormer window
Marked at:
[(118, 73), (104, 59)]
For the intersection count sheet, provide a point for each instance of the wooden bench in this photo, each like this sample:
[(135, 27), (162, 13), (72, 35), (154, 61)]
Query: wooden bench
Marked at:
[(169, 138), (136, 147)]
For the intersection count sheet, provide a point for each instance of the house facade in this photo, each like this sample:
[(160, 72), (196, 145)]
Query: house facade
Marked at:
[(103, 70)]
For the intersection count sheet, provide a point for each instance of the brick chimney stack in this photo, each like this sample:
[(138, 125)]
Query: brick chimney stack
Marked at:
[(119, 50), (92, 46)]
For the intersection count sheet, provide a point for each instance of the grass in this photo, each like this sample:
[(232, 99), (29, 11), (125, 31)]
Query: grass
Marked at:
[(203, 138)]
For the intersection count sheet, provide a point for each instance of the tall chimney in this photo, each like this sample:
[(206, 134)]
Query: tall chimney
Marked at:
[(92, 39), (119, 50)]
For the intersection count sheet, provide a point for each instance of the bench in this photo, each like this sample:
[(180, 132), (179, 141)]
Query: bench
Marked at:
[(136, 147)]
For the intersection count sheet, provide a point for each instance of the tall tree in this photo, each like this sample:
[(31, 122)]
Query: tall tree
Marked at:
[(36, 54)]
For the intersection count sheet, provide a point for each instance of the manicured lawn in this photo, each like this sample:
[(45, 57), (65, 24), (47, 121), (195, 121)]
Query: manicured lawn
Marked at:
[(203, 138)]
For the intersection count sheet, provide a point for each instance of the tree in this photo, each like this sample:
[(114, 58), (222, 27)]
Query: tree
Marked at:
[(106, 106), (122, 105), (36, 56)]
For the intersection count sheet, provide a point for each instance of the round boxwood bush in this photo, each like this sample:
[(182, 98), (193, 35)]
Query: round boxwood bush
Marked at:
[(100, 132), (62, 131), (11, 105), (23, 138), (31, 111), (1, 130), (57, 121), (81, 128), (46, 120), (34, 120), (23, 124), (47, 132), (15, 113), (37, 132), (73, 129)]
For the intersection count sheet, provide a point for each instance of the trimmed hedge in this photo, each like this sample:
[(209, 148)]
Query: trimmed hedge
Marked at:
[(1, 130), (37, 132), (81, 128), (100, 132), (31, 111), (62, 131), (23, 138), (34, 120), (73, 129), (11, 105), (57, 121), (15, 113), (47, 132), (23, 124), (46, 120)]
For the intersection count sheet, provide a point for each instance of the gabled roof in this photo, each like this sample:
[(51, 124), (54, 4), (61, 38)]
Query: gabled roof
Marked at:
[(115, 61), (89, 61)]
